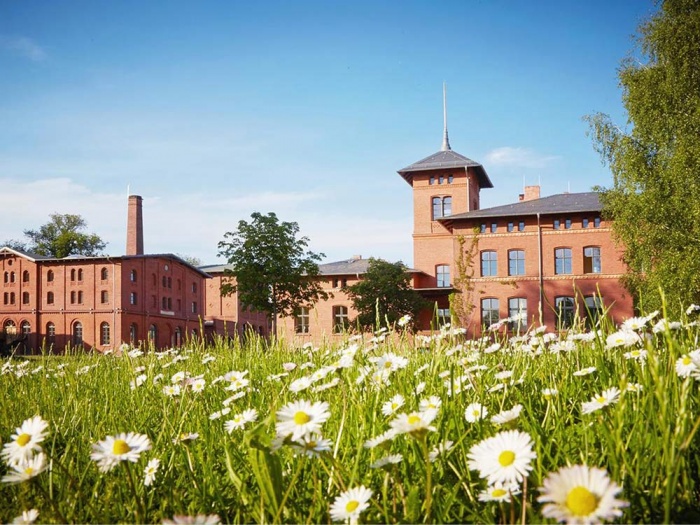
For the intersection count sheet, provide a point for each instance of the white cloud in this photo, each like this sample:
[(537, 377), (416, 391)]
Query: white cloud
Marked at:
[(24, 47), (519, 157)]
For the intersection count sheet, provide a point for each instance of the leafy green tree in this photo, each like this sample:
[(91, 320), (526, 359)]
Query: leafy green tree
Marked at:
[(656, 164), (61, 237), (385, 294), (270, 267)]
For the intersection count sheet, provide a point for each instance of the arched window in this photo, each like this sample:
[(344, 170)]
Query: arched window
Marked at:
[(104, 296), (12, 297), (178, 336), (155, 280), (51, 332), (152, 333), (442, 207), (133, 276), (25, 297), (6, 277), (104, 334), (25, 276), (49, 298), (104, 274), (10, 327), (80, 274), (49, 276), (77, 335), (26, 328), (12, 277), (72, 274), (133, 333), (165, 282)]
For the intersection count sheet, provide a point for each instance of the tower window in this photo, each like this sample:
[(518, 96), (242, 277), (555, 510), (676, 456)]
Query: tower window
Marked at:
[(442, 207)]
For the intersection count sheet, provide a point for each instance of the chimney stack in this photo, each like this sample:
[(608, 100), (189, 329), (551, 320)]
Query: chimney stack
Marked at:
[(134, 227), (531, 193)]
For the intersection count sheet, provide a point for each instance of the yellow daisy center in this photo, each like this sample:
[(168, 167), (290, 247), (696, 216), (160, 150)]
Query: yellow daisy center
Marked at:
[(498, 493), (310, 445), (120, 447), (351, 505), (687, 360), (28, 471), (387, 364), (601, 399), (476, 413), (581, 501), (413, 419), (23, 439), (506, 458), (301, 418)]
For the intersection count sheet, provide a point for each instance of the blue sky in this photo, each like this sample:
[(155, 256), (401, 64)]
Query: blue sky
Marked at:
[(213, 110)]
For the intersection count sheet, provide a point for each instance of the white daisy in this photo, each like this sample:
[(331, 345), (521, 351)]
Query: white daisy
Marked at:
[(199, 519), (622, 338), (149, 473), (186, 436), (350, 504), (608, 397), (311, 445), (585, 371), (549, 393), (122, 447), (27, 517), (390, 407), (685, 365), (219, 413), (198, 384), (415, 423), (634, 323), (26, 469), (25, 441), (171, 390), (580, 494), (381, 438), (636, 354), (499, 492), (507, 415), (504, 457), (431, 403), (387, 460), (440, 449), (241, 420), (301, 417), (300, 384), (475, 412)]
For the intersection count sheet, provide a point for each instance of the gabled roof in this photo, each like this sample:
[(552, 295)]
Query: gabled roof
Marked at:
[(27, 255), (554, 204), (355, 265), (446, 159)]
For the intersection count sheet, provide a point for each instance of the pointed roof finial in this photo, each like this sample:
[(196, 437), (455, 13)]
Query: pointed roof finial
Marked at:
[(445, 137)]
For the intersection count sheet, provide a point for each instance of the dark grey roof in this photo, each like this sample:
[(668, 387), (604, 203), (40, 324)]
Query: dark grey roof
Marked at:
[(355, 265), (29, 255), (554, 204), (446, 159), (215, 268)]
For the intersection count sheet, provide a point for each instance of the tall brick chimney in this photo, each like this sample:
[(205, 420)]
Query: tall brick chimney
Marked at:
[(134, 227), (531, 193)]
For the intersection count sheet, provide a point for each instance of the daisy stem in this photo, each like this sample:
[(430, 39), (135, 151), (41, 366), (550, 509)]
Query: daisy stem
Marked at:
[(290, 486), (522, 519), (428, 479), (140, 511)]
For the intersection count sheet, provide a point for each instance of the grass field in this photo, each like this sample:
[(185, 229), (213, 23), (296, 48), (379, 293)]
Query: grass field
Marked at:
[(590, 426)]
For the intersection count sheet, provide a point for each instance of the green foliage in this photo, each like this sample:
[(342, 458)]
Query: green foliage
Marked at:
[(385, 294), (271, 270), (656, 165), (462, 303), (61, 237)]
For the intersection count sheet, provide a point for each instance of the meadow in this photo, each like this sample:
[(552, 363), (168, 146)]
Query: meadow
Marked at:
[(582, 427)]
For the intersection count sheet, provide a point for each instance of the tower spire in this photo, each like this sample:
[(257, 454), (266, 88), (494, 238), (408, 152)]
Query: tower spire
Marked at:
[(445, 137)]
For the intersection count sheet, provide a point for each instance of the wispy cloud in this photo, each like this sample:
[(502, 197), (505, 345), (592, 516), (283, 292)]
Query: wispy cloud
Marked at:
[(24, 47), (520, 157)]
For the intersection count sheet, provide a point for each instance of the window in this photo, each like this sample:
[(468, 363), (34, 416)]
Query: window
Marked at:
[(441, 179), (51, 332), (584, 223), (25, 276), (517, 312), (170, 303), (450, 178), (594, 309), (194, 287), (72, 298), (565, 312), (154, 301), (567, 224), (494, 227), (335, 283), (152, 334), (443, 275), (510, 227), (49, 298), (155, 280), (26, 328), (25, 297), (165, 282), (521, 226), (516, 262), (170, 282), (164, 304), (6, 277), (442, 207), (133, 333), (556, 224), (104, 334), (194, 307), (133, 298), (133, 276), (489, 263), (442, 316), (301, 320), (104, 297), (80, 297), (49, 276), (72, 274), (6, 298), (562, 261), (103, 274), (179, 284), (12, 297), (179, 305), (596, 222), (591, 259), (77, 334), (178, 336), (340, 319), (80, 274), (483, 228), (12, 277), (489, 312), (432, 180)]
